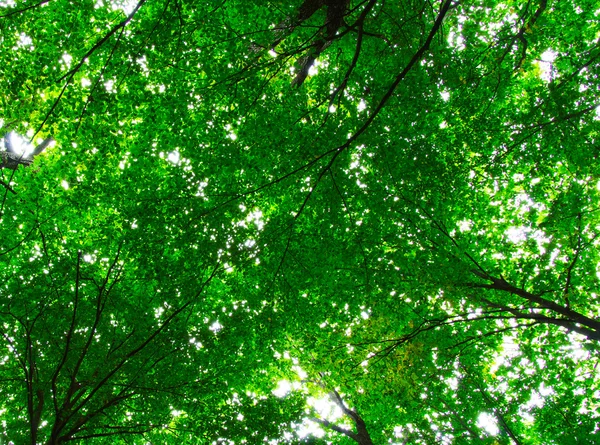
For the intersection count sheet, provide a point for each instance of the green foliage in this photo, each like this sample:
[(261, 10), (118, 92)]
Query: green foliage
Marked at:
[(408, 236)]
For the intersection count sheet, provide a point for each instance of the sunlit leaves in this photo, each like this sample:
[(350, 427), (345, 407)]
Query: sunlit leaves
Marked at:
[(411, 232)]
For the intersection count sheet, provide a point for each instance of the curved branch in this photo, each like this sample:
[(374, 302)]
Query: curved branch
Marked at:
[(501, 284), (338, 429), (27, 8)]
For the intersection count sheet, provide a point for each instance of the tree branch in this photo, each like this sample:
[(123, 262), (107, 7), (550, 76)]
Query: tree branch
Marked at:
[(501, 284), (332, 426)]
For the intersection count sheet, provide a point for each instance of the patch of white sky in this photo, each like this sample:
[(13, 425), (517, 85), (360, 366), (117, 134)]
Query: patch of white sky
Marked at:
[(504, 15), (215, 327), (201, 187), (509, 356), (127, 6), (518, 368), (357, 168), (522, 204), (457, 40), (510, 350), (254, 217), (546, 65), (314, 69), (109, 86), (24, 42), (143, 63), (174, 157), (488, 423), (66, 60), (21, 146), (230, 133), (323, 406), (319, 403), (156, 89), (441, 426)]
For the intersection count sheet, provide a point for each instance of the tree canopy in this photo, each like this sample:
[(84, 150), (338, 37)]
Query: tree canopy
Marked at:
[(318, 221)]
